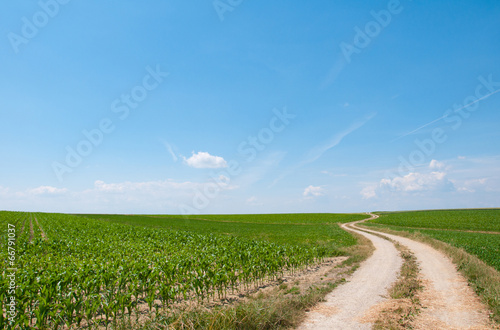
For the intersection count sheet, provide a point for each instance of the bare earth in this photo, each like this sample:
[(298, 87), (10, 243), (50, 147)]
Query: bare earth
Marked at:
[(448, 301), (346, 305)]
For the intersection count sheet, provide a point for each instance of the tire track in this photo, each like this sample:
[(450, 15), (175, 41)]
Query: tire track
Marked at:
[(22, 228), (31, 229), (44, 236)]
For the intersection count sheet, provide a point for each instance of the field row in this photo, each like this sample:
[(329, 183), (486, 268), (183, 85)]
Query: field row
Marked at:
[(310, 231), (74, 270)]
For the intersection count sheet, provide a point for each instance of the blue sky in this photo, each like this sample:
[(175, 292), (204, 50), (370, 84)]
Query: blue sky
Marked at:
[(249, 107)]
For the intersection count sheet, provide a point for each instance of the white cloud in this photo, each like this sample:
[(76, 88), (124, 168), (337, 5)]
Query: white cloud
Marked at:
[(205, 160), (4, 191), (434, 164), (47, 191), (454, 183), (433, 178), (313, 191), (157, 187), (473, 185), (369, 192), (161, 196), (253, 201), (418, 182)]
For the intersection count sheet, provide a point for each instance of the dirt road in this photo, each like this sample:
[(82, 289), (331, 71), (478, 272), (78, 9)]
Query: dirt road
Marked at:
[(448, 300), (345, 306), (449, 303)]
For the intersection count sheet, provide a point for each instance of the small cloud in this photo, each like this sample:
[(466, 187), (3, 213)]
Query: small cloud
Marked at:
[(466, 190), (205, 160), (333, 174), (436, 165), (3, 191), (253, 201), (346, 104), (369, 192), (224, 182), (313, 191), (461, 157), (111, 187), (47, 191)]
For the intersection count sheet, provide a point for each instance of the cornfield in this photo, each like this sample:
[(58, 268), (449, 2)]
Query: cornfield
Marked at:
[(74, 270)]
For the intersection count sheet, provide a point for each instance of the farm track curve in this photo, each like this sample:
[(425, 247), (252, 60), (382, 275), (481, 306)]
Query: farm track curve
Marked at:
[(447, 300), (346, 305)]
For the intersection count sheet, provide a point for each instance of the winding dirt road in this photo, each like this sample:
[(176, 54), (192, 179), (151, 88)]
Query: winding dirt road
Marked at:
[(449, 303)]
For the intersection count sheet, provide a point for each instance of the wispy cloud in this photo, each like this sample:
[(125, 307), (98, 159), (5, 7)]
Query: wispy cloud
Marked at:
[(436, 164), (170, 150), (334, 72), (316, 152), (47, 191), (260, 169), (148, 196), (254, 201), (445, 115)]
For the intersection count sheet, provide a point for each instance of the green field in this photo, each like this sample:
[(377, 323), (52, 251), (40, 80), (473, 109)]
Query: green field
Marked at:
[(84, 269), (314, 230), (295, 218), (477, 220), (453, 227)]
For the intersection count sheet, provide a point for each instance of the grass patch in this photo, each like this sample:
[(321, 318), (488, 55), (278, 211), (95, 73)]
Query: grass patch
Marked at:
[(405, 305), (276, 310)]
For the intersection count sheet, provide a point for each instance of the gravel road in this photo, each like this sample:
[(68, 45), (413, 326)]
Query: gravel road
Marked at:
[(345, 306), (449, 303)]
